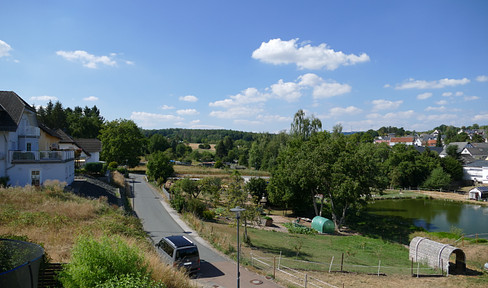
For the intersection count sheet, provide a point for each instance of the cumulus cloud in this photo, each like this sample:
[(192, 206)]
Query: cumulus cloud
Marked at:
[(481, 117), (247, 96), (441, 102), (166, 107), (431, 108), (187, 112), (289, 91), (91, 98), (422, 84), (44, 98), (481, 78), (381, 104), (152, 120), (327, 90), (88, 60), (447, 94), (236, 112), (339, 111), (424, 96), (471, 98), (305, 56), (4, 49), (188, 98)]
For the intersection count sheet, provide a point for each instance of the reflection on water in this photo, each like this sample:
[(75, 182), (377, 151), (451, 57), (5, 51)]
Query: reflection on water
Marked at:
[(436, 215)]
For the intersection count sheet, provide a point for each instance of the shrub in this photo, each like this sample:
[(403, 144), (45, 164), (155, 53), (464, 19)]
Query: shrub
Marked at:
[(299, 229), (219, 164), (113, 165), (196, 207), (96, 262), (4, 181), (208, 215), (131, 281), (94, 167), (178, 202)]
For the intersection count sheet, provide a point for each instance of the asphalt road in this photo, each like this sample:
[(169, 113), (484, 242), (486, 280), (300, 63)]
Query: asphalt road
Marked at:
[(159, 220)]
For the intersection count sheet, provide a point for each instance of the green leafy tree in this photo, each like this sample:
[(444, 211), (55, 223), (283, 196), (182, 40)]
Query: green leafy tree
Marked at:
[(157, 142), (303, 127), (159, 166), (257, 187), (122, 141), (324, 168), (453, 167), (438, 179)]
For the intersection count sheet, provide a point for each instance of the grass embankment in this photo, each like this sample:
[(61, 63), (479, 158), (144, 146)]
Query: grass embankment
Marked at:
[(57, 219)]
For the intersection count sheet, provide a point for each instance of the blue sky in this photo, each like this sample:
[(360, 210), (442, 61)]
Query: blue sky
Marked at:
[(250, 65)]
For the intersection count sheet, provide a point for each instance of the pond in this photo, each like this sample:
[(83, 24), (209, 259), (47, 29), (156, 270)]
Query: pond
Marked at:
[(436, 215)]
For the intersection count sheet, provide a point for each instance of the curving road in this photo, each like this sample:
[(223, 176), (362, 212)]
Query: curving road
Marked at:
[(160, 220)]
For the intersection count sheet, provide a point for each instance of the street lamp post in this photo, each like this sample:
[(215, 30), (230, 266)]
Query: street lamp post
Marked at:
[(238, 211)]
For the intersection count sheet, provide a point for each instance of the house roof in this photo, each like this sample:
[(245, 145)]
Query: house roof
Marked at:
[(49, 130), (475, 151), (401, 139), (65, 138), (480, 189), (89, 145), (11, 109), (477, 163), (421, 149)]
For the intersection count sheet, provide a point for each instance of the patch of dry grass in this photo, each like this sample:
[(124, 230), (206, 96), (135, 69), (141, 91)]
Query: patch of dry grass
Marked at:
[(55, 219)]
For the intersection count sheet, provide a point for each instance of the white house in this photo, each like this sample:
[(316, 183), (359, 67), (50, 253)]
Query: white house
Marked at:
[(21, 159), (478, 193), (476, 171), (88, 150)]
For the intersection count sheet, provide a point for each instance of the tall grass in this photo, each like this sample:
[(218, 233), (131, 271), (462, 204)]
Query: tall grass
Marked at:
[(56, 219)]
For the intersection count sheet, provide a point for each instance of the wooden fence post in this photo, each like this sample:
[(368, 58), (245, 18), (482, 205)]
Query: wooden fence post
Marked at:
[(331, 261), (342, 261), (274, 267), (411, 268), (379, 265), (306, 276)]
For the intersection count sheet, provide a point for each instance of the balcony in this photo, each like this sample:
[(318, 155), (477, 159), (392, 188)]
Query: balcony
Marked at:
[(40, 156)]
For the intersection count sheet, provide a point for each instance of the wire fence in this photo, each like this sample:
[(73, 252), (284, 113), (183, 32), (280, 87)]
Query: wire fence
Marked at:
[(303, 273)]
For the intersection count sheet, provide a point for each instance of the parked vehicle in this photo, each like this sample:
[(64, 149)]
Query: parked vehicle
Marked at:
[(180, 251)]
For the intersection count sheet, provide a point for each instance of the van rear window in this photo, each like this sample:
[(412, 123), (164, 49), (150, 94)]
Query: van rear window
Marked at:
[(186, 253)]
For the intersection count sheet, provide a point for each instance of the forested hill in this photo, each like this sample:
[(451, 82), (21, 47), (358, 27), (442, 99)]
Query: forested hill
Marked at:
[(201, 135)]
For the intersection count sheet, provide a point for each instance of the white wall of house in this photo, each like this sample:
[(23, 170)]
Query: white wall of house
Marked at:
[(20, 174), (478, 174)]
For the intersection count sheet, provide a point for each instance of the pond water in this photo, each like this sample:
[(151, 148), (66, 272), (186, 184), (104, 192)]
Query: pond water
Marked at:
[(436, 215)]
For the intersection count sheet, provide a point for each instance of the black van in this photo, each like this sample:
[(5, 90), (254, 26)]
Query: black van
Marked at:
[(180, 252)]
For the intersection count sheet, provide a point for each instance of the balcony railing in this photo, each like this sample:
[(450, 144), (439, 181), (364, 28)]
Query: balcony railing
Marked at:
[(41, 156)]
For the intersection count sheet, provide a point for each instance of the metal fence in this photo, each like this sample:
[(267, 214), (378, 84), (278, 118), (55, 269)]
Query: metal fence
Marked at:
[(317, 274)]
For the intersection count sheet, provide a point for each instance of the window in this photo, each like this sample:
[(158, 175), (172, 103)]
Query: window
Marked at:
[(29, 147), (35, 178)]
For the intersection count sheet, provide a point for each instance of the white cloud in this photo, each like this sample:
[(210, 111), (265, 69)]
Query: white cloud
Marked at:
[(248, 96), (88, 60), (4, 49), (381, 104), (305, 56), (447, 94), (275, 118), (187, 112), (441, 102), (437, 117), (459, 93), (166, 107), (236, 112), (91, 98), (422, 84), (424, 96), (399, 115), (471, 98), (327, 90), (188, 98), (310, 79), (481, 117), (339, 111), (145, 116), (431, 108), (44, 98), (482, 78), (289, 91)]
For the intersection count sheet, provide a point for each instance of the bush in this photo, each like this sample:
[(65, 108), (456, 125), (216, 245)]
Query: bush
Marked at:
[(294, 228), (196, 207), (4, 181), (131, 281), (94, 167), (96, 262), (112, 166), (219, 164), (208, 215), (178, 202)]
